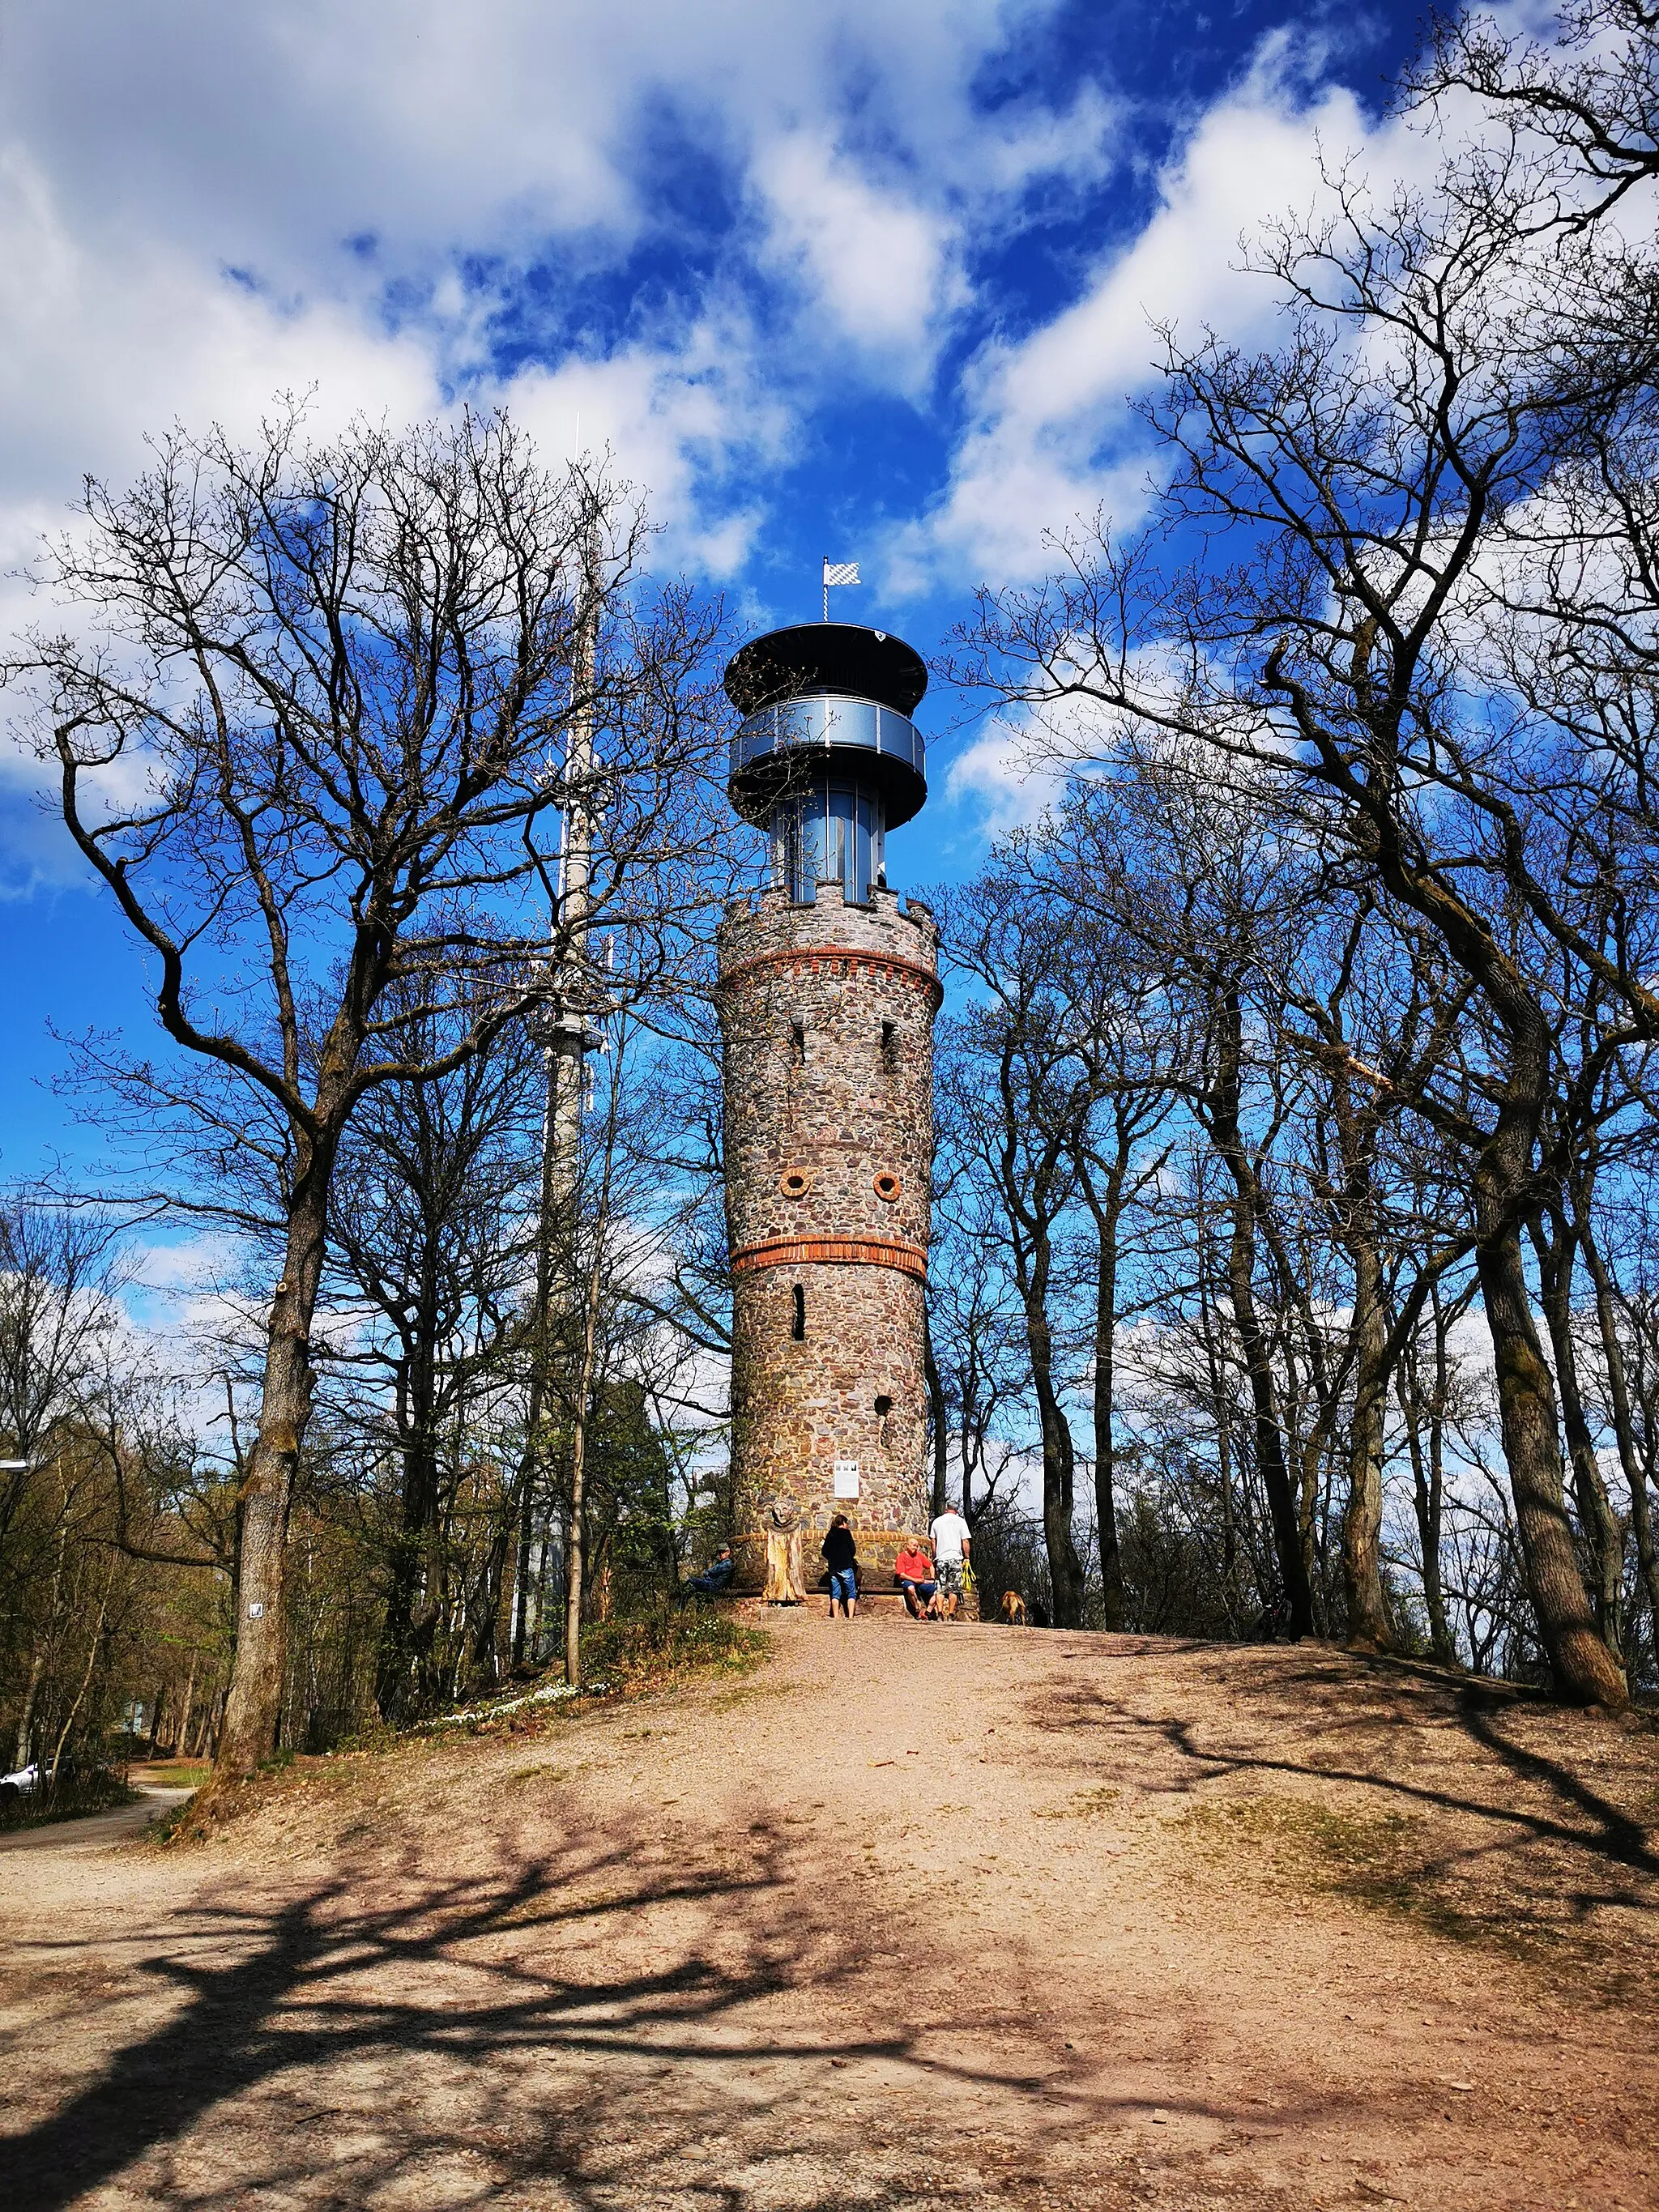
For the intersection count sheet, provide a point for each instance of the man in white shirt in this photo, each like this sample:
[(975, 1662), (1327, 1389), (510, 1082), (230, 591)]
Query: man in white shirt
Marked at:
[(953, 1542)]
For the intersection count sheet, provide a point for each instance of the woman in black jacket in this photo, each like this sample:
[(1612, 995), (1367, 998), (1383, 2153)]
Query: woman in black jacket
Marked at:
[(841, 1557)]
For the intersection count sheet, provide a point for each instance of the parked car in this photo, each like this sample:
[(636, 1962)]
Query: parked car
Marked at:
[(23, 1782)]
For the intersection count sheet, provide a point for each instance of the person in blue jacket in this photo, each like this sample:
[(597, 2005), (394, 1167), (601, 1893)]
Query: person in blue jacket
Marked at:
[(713, 1579)]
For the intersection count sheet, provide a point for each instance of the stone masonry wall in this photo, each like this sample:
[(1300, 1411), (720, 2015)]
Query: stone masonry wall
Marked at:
[(827, 1015)]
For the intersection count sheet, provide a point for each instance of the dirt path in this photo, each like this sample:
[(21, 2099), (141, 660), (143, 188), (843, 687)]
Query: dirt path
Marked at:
[(917, 1916), (98, 1829)]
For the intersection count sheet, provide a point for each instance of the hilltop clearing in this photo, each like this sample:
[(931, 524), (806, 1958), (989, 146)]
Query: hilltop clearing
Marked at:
[(915, 1916)]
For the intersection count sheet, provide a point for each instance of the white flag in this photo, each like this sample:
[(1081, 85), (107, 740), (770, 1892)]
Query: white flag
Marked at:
[(839, 572)]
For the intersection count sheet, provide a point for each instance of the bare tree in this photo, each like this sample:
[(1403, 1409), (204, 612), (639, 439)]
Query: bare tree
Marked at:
[(1023, 1125), (1371, 464), (434, 1240), (1590, 93), (307, 727)]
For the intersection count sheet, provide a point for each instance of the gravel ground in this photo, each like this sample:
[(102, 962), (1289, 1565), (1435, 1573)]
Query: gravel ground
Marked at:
[(97, 1829), (918, 1915)]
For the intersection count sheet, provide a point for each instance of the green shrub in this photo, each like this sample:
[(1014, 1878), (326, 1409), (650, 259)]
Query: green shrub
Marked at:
[(665, 1643)]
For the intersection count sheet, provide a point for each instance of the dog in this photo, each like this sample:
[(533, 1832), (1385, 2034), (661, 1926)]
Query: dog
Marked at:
[(1013, 1609)]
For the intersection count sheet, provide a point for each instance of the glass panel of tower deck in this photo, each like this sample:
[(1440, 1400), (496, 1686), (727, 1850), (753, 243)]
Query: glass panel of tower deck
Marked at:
[(826, 759)]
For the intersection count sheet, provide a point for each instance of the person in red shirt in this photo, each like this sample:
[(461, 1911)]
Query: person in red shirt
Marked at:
[(913, 1571)]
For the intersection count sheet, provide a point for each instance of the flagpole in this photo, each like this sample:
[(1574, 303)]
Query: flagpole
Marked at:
[(826, 587)]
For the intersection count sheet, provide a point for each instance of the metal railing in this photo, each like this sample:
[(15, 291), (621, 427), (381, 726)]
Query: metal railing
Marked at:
[(821, 720)]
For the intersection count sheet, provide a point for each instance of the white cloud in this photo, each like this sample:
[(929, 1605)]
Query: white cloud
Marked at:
[(203, 204), (102, 344), (999, 780), (881, 271), (1049, 435), (679, 423)]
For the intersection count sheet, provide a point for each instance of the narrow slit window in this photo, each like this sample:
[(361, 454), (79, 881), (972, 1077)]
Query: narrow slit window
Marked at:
[(798, 1326), (889, 1039), (797, 1042)]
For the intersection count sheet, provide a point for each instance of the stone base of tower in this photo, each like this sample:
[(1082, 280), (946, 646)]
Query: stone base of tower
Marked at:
[(827, 1012), (804, 1407)]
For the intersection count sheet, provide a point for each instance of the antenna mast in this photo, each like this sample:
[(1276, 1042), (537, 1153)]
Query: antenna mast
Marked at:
[(565, 1042)]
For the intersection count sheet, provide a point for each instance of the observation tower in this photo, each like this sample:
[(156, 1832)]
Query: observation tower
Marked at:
[(828, 991)]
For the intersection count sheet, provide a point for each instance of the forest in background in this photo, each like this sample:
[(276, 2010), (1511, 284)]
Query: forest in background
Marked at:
[(1293, 1270)]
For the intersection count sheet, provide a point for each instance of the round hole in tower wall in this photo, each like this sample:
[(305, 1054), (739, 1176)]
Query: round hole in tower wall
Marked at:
[(887, 1187), (794, 1182)]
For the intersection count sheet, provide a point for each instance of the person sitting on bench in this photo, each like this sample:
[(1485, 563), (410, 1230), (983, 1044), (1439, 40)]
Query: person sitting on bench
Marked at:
[(913, 1571), (713, 1579)]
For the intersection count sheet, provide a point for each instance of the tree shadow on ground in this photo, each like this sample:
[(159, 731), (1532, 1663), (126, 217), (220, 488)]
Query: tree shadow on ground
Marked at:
[(1514, 1827), (438, 2040), (317, 1978)]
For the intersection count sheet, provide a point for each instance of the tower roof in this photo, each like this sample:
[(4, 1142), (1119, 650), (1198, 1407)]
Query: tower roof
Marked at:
[(844, 657)]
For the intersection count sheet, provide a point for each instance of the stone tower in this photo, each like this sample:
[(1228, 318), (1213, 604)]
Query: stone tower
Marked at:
[(827, 997)]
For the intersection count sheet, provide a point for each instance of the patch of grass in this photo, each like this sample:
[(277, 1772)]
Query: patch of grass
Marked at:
[(1085, 1805), (372, 1734), (163, 1830), (1291, 1837), (215, 1804), (1374, 1860), (668, 1646), (177, 1777), (661, 1650), (544, 1773), (739, 1694)]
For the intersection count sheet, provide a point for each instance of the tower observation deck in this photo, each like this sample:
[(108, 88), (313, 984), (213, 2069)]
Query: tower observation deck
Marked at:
[(826, 759), (828, 991)]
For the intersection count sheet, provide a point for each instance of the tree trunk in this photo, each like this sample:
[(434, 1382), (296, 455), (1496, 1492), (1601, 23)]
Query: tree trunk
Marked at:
[(574, 1559), (936, 1409), (1107, 1208), (1362, 1522), (181, 1733), (43, 1649), (1221, 1398), (1066, 1579), (525, 1550), (574, 1553), (1623, 1426), (1111, 1553), (553, 1260), (1269, 1436), (405, 1642), (1428, 1479), (1225, 1133), (26, 1719), (248, 1733), (86, 1679), (487, 1627), (1585, 1669), (1603, 1534)]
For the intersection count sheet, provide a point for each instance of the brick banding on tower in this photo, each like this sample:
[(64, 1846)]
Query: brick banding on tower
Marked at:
[(835, 1252)]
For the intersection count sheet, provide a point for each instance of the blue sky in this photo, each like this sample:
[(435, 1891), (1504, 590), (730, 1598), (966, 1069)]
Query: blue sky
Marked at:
[(870, 278)]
